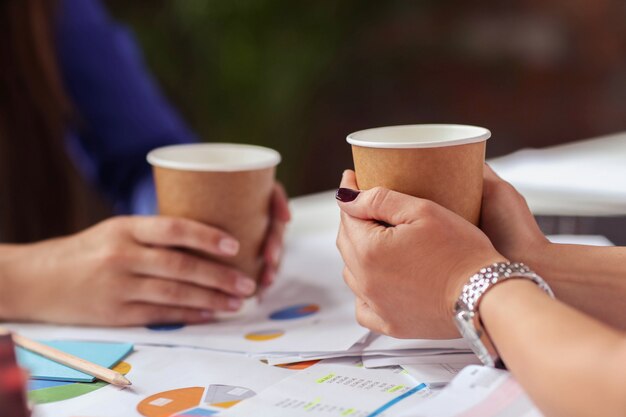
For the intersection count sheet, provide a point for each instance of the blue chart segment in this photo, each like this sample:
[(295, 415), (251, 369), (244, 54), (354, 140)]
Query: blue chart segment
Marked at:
[(197, 412), (165, 327), (295, 312), (35, 384)]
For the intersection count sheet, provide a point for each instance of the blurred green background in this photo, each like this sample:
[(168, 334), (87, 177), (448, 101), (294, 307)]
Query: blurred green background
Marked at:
[(300, 76)]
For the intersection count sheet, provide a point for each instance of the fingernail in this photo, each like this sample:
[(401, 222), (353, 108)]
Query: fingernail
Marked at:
[(268, 280), (206, 314), (229, 246), (234, 303), (245, 285), (346, 194), (275, 255)]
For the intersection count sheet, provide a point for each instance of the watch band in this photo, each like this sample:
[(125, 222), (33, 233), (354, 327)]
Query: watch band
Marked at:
[(467, 317)]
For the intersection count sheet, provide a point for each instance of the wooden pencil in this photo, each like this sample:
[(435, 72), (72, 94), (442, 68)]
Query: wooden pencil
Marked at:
[(74, 362)]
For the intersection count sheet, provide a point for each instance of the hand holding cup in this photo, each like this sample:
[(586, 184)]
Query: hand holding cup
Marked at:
[(230, 187)]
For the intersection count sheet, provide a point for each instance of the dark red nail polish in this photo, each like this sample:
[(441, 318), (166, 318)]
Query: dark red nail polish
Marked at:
[(346, 194)]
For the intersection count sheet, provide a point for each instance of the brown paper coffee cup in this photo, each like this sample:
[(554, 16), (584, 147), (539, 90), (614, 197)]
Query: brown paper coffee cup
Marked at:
[(442, 163), (228, 186)]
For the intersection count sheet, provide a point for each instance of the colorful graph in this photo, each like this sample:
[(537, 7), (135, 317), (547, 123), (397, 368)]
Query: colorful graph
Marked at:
[(197, 412), (165, 327), (44, 392), (225, 396), (295, 312), (298, 366), (264, 335), (193, 401)]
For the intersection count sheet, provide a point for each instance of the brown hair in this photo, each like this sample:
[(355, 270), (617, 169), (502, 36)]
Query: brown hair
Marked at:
[(41, 193)]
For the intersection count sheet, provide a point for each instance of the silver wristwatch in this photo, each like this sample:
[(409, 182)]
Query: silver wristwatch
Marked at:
[(466, 315)]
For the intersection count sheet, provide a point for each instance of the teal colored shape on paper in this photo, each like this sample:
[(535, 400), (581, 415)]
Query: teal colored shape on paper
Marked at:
[(104, 354)]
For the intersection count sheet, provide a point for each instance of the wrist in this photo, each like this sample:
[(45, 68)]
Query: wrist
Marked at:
[(464, 271), (12, 297), (467, 315), (494, 302), (7, 291), (534, 253)]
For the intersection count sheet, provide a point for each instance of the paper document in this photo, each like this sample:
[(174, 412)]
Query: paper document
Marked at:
[(166, 382), (420, 357), (387, 343), (478, 391), (437, 371), (337, 387)]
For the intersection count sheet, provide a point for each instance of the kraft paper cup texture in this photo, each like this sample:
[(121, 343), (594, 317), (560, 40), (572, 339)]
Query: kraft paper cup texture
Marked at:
[(228, 186), (442, 163)]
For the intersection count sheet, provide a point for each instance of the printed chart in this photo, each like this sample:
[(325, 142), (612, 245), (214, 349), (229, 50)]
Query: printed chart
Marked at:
[(44, 391), (336, 388), (264, 335), (298, 366), (193, 401), (295, 312), (177, 382)]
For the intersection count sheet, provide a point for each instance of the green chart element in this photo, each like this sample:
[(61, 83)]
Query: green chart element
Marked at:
[(44, 392), (64, 392)]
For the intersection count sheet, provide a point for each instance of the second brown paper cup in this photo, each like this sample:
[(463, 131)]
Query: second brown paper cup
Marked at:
[(228, 186), (442, 163)]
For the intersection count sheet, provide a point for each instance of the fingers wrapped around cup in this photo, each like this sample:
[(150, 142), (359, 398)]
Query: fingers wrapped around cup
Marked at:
[(407, 258)]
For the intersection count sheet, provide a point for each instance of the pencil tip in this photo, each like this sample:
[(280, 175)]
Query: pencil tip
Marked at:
[(122, 381)]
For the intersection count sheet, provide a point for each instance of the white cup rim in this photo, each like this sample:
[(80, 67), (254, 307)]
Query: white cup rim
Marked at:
[(206, 157), (418, 136)]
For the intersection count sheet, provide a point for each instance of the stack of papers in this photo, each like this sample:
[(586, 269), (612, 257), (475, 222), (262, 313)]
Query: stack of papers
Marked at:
[(477, 391), (183, 382), (380, 351)]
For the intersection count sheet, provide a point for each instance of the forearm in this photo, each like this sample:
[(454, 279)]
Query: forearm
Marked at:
[(570, 364), (7, 289), (24, 280), (591, 279)]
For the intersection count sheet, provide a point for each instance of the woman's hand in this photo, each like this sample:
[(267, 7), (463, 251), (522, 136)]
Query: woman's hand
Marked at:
[(407, 260), (124, 271), (508, 222), (273, 247)]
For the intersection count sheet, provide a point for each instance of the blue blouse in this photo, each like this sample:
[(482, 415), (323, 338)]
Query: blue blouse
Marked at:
[(121, 113)]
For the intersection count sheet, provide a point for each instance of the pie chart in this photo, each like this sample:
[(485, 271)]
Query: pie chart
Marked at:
[(43, 392), (193, 401), (298, 366), (264, 335), (297, 311)]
